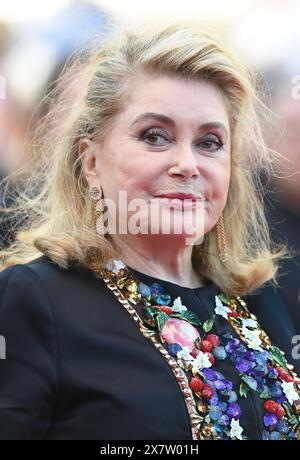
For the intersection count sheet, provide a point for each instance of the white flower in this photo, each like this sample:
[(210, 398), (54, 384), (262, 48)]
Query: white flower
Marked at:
[(252, 338), (236, 429), (185, 354), (201, 361), (177, 305), (254, 344), (248, 322), (290, 392), (221, 309), (115, 266), (251, 335)]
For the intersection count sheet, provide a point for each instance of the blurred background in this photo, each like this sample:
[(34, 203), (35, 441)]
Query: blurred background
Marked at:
[(37, 38)]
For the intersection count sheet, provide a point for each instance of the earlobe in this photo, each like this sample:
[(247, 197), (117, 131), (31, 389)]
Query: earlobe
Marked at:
[(87, 154)]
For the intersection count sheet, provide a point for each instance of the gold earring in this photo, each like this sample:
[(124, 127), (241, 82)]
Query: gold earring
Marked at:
[(223, 249), (96, 195)]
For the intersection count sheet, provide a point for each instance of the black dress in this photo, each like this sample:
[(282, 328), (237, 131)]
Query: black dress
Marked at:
[(77, 367)]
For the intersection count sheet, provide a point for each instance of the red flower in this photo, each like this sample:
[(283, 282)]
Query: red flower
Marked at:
[(280, 411), (207, 391), (165, 309), (233, 313), (284, 375), (196, 384), (213, 339), (271, 406), (206, 345)]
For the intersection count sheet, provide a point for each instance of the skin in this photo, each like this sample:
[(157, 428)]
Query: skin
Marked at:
[(185, 156)]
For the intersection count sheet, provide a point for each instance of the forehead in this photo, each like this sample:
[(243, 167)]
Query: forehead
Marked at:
[(185, 101)]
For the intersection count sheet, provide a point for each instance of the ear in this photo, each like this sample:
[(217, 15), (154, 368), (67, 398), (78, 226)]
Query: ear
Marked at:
[(87, 151)]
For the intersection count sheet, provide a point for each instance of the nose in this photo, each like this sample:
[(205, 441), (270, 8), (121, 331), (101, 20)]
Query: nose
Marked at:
[(184, 163)]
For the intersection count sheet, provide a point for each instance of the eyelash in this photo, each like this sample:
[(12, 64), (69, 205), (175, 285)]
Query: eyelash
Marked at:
[(162, 133)]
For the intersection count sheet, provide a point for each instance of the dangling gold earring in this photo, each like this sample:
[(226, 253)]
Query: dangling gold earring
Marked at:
[(96, 195), (223, 249)]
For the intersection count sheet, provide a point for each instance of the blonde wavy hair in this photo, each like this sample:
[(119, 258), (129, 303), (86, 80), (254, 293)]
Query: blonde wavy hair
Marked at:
[(52, 199)]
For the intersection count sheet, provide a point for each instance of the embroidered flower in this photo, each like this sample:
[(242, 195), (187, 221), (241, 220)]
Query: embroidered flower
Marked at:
[(221, 309), (177, 306), (290, 392), (255, 344), (185, 354), (201, 361), (115, 266), (248, 334), (252, 338), (236, 429), (248, 322)]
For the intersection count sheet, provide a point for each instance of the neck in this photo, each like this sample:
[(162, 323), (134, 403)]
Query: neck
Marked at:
[(157, 257)]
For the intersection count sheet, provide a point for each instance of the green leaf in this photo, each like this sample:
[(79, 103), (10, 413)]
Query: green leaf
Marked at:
[(293, 420), (265, 394), (161, 319), (191, 317), (207, 326), (198, 343), (207, 418), (249, 381), (288, 409), (243, 390), (223, 299), (278, 357), (152, 311)]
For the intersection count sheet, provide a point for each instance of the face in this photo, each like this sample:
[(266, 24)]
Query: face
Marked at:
[(173, 137)]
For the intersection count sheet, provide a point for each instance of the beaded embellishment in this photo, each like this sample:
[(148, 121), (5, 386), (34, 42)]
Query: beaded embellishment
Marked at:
[(191, 349)]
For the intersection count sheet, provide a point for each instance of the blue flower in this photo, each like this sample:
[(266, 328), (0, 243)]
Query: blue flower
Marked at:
[(144, 290), (234, 411), (223, 406), (270, 421), (259, 371), (244, 366), (282, 426), (219, 353), (224, 420), (210, 374), (219, 385), (233, 397), (232, 346), (272, 373), (174, 348), (214, 400), (276, 390), (215, 413)]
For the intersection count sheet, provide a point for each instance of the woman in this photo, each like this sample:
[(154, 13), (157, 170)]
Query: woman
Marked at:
[(141, 334)]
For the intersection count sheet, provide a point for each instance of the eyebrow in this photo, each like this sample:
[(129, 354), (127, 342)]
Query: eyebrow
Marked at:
[(165, 119)]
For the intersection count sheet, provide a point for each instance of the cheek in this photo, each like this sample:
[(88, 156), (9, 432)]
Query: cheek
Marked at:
[(139, 171), (136, 176), (219, 185)]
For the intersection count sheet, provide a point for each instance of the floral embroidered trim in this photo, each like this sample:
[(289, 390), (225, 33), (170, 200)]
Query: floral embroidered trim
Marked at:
[(264, 369)]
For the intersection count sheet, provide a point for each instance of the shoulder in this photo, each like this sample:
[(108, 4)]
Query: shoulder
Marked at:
[(270, 307), (268, 303), (22, 297), (42, 287), (43, 274)]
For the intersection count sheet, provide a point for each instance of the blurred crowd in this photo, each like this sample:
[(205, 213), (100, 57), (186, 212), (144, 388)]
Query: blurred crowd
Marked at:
[(32, 58)]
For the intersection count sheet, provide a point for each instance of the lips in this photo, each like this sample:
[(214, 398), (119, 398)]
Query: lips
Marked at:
[(182, 196)]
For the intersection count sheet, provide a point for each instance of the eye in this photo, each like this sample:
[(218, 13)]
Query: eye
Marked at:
[(211, 143), (155, 136)]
